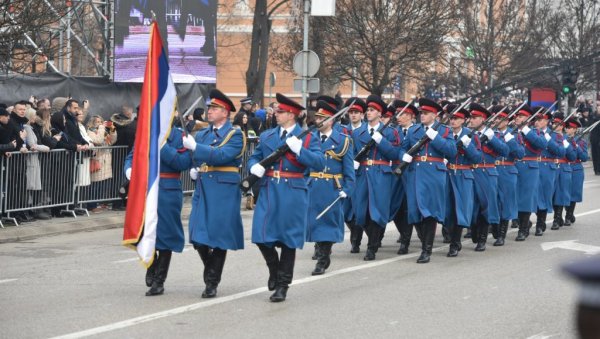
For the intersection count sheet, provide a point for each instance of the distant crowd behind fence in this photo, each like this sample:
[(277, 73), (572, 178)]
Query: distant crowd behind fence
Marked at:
[(71, 180)]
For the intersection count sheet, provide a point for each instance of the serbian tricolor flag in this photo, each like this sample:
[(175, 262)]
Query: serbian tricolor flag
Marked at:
[(157, 110)]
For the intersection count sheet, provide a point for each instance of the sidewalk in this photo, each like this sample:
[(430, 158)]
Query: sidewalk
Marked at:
[(96, 221)]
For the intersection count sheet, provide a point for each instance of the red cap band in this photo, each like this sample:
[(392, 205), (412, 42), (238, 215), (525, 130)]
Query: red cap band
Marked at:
[(572, 124), (324, 112), (407, 110), (478, 113), (376, 106), (524, 112), (289, 108), (220, 103), (457, 115), (356, 108), (503, 115), (429, 109)]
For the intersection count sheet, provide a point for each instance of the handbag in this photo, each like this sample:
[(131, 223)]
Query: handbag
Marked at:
[(95, 165)]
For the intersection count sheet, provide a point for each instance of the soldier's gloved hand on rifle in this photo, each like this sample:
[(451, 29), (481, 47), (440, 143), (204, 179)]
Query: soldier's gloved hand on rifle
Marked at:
[(257, 170), (343, 194), (565, 143), (489, 133), (189, 142), (526, 130), (407, 158), (294, 143), (194, 173), (445, 161), (466, 141), (508, 137), (377, 137), (128, 173), (431, 133), (356, 165), (547, 136)]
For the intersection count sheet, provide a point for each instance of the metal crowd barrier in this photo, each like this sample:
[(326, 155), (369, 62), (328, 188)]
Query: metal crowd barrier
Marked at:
[(1, 188)]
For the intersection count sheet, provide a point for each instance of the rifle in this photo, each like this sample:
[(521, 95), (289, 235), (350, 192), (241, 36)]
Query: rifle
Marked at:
[(586, 131), (515, 111), (417, 147), (248, 181), (369, 145), (526, 122)]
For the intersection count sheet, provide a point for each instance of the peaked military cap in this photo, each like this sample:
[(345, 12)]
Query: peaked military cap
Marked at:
[(503, 109), (525, 110), (324, 109), (328, 100), (217, 98), (479, 111), (400, 104), (288, 105), (428, 105), (246, 100), (359, 104), (377, 103)]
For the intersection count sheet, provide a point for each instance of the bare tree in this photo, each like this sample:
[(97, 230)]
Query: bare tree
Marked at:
[(26, 31)]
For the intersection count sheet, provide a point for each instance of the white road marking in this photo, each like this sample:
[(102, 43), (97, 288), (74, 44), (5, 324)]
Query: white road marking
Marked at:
[(137, 259), (7, 280), (221, 300), (571, 245)]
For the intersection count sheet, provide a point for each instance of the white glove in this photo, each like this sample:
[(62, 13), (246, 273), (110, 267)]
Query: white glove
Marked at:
[(526, 130), (257, 170), (356, 165), (489, 133), (194, 173), (294, 143), (377, 137), (343, 194), (465, 140), (431, 133), (189, 142), (547, 136), (565, 143), (128, 173), (508, 137), (407, 158), (445, 161)]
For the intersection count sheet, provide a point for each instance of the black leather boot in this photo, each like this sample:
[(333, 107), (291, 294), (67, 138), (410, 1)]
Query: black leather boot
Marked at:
[(445, 235), (215, 270), (316, 252), (374, 234), (502, 229), (569, 215), (204, 252), (272, 261), (495, 230), (356, 233), (405, 239), (160, 276), (474, 231), (557, 221), (428, 230), (524, 226), (468, 234), (151, 270), (514, 223), (483, 234), (540, 225), (324, 259), (455, 244), (285, 274)]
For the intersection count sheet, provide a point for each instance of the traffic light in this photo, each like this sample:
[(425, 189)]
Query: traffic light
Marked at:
[(569, 78)]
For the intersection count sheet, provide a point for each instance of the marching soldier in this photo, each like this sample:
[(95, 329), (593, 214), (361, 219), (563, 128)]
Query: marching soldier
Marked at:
[(169, 230), (215, 221), (405, 122), (460, 200), (553, 151), (507, 175), (485, 210), (562, 190), (529, 170), (280, 217), (371, 198), (356, 114), (336, 181), (581, 147), (426, 175)]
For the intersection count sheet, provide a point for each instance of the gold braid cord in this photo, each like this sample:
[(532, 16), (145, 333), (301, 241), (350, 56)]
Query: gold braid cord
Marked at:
[(339, 156)]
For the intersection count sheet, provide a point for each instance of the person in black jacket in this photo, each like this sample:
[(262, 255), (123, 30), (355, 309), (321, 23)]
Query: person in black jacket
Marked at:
[(16, 197), (6, 143)]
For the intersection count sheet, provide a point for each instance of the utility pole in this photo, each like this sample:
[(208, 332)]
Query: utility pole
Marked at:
[(305, 48)]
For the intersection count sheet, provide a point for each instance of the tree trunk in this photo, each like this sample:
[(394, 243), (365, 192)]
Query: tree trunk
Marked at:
[(259, 52)]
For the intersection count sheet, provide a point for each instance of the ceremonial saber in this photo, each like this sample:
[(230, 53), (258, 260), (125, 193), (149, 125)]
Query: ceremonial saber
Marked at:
[(327, 208)]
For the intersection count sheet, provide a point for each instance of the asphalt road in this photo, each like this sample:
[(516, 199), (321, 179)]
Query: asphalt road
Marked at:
[(87, 284)]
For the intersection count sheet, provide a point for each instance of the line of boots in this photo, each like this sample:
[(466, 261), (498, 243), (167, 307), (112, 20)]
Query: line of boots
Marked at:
[(426, 232), (356, 235), (524, 226), (500, 232), (540, 224), (455, 234), (156, 274), (214, 261), (281, 270), (479, 233), (322, 253), (404, 228), (558, 221), (569, 216), (374, 232)]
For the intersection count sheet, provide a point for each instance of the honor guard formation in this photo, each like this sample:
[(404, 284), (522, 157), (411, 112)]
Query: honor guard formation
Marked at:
[(472, 169)]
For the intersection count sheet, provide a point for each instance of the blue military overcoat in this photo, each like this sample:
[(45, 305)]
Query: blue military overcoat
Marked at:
[(508, 176), (562, 189), (529, 171), (460, 190), (215, 220), (425, 182), (486, 179), (173, 159), (347, 204), (281, 212), (338, 152), (548, 169), (577, 168), (397, 182), (374, 182)]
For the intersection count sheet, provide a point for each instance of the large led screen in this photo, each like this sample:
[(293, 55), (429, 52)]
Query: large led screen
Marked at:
[(188, 29)]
